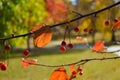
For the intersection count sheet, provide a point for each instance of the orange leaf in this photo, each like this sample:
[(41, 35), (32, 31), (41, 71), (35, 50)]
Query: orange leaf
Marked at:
[(116, 25), (72, 67), (42, 36), (79, 38), (59, 74), (27, 62), (99, 46)]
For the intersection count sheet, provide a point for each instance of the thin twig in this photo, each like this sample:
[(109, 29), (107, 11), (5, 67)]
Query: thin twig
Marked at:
[(81, 62), (77, 13)]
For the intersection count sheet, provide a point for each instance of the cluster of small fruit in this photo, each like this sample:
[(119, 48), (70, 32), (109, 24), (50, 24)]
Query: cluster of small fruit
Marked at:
[(75, 72), (63, 46), (70, 45), (3, 65), (63, 43), (86, 30), (8, 47)]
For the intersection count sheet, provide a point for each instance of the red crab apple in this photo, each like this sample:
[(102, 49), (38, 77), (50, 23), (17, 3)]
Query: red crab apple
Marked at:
[(85, 30), (3, 66), (62, 49), (26, 52), (107, 22), (74, 73), (91, 30), (81, 73), (7, 47), (63, 43), (76, 29), (70, 46)]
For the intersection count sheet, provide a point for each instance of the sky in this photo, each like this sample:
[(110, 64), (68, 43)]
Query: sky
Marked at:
[(73, 2)]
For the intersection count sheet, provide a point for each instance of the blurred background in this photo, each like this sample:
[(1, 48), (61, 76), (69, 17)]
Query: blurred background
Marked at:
[(19, 16)]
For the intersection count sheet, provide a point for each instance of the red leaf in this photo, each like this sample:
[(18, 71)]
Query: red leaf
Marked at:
[(116, 24), (56, 9), (59, 74), (99, 46), (27, 62), (42, 36)]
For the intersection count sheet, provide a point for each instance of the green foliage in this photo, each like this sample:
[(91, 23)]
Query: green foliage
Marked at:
[(18, 16)]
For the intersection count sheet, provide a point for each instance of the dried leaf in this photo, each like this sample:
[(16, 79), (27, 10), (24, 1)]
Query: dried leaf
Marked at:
[(59, 74), (116, 25), (27, 62), (42, 35), (99, 46)]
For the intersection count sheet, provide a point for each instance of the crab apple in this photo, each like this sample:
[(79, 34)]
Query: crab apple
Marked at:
[(91, 30), (85, 30), (62, 49), (3, 67), (76, 29), (26, 52), (81, 73), (107, 22), (74, 73), (70, 46), (116, 20), (79, 69), (63, 43), (7, 47)]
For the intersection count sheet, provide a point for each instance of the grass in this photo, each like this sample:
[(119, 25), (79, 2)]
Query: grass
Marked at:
[(94, 70)]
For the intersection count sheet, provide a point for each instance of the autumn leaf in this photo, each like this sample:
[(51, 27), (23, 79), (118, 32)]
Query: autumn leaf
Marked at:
[(72, 67), (42, 35), (116, 25), (79, 38), (59, 74), (99, 46), (56, 9), (73, 71), (27, 62)]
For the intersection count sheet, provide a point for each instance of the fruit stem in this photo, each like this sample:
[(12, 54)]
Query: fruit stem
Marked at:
[(69, 35), (65, 32)]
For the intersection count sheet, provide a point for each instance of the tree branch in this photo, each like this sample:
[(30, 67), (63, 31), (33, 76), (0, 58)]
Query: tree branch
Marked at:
[(62, 23), (81, 62)]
